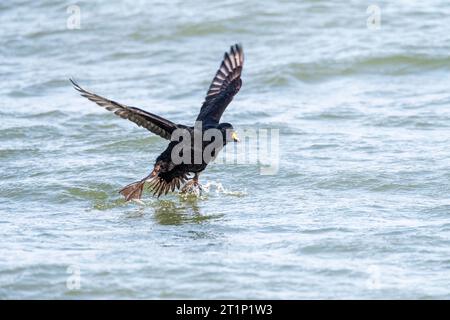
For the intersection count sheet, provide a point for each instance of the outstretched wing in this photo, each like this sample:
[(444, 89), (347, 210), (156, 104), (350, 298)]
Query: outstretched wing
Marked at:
[(224, 86), (156, 124)]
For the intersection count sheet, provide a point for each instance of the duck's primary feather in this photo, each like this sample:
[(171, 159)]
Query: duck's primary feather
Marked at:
[(224, 87), (155, 124)]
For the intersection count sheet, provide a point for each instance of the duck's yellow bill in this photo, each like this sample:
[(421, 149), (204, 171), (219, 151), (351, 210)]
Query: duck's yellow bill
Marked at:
[(234, 136)]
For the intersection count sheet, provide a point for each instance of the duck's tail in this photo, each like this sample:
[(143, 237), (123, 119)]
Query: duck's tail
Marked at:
[(162, 185)]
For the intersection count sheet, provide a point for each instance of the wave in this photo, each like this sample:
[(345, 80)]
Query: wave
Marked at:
[(391, 65)]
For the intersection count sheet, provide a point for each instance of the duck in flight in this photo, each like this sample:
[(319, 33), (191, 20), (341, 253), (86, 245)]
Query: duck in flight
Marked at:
[(168, 174)]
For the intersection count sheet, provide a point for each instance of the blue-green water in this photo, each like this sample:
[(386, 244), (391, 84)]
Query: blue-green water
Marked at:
[(360, 206)]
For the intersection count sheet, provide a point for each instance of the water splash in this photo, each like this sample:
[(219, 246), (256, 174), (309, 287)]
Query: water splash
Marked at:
[(210, 188), (218, 188)]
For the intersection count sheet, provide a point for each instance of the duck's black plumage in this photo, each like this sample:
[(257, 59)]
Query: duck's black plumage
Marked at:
[(167, 175)]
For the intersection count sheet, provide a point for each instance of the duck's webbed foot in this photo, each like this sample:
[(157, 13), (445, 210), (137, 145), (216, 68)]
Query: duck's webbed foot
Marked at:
[(133, 191), (193, 186)]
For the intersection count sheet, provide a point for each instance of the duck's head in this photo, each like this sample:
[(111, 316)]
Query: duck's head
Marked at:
[(229, 134)]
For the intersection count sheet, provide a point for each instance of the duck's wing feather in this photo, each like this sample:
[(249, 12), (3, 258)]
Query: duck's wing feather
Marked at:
[(155, 124), (224, 87)]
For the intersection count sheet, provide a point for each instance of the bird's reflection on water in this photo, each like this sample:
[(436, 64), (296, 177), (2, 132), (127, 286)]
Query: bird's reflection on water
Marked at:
[(168, 212), (184, 210)]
